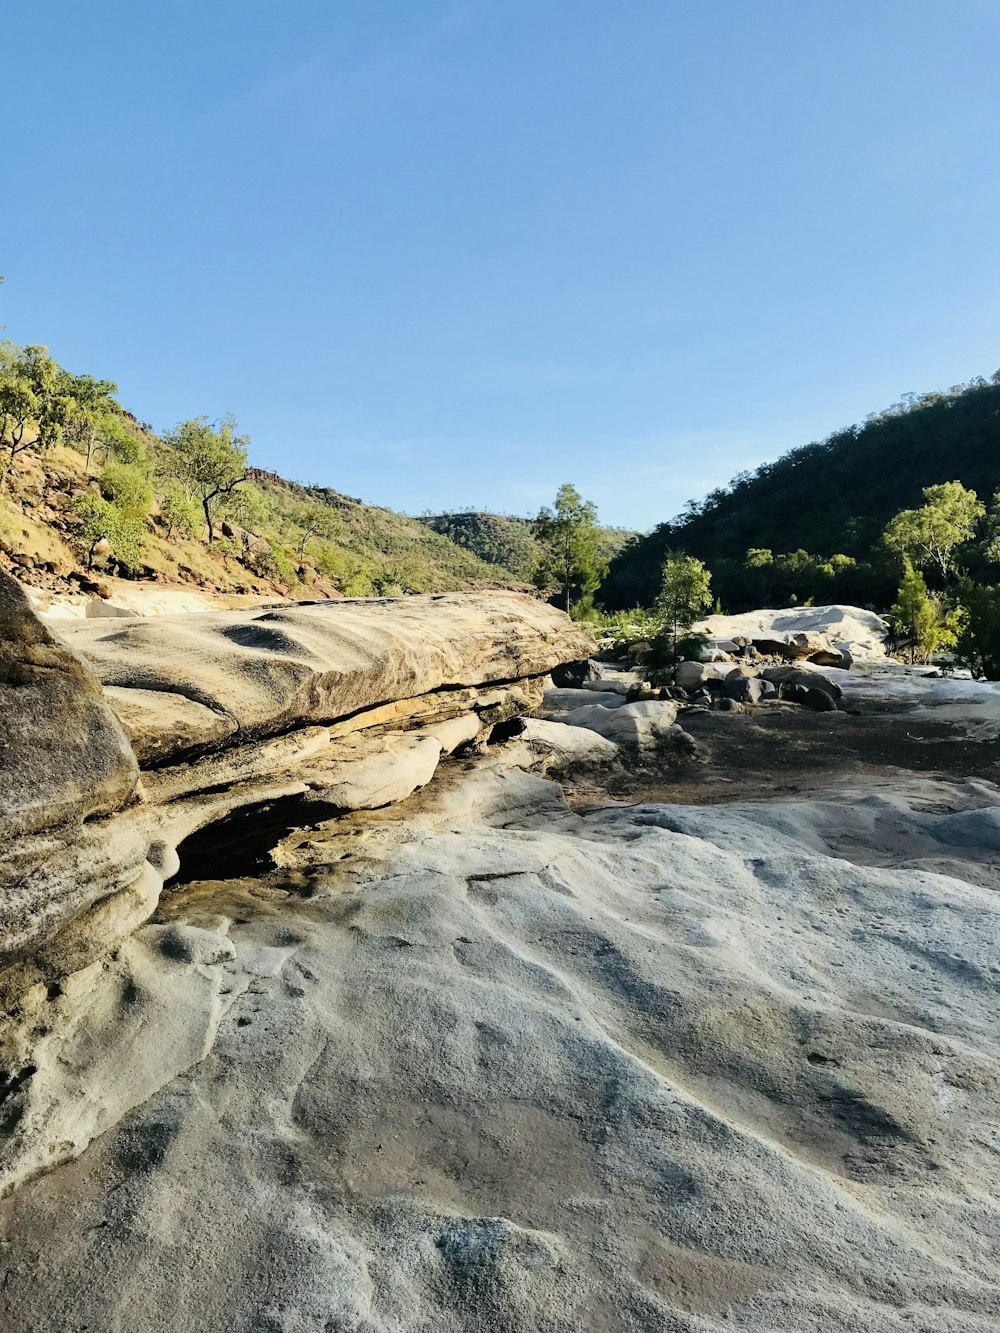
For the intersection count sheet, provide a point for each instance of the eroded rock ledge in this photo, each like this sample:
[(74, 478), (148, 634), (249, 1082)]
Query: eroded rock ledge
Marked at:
[(346, 705)]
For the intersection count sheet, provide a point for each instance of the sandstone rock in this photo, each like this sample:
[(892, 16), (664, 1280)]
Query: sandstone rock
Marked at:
[(809, 680), (834, 657), (800, 632), (260, 673), (221, 710), (63, 754), (691, 675), (572, 675), (561, 701), (454, 731), (615, 685), (96, 609), (749, 689), (364, 779), (564, 744), (639, 725)]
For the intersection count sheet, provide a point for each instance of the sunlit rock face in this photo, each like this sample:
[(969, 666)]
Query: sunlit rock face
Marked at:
[(826, 634), (406, 1044), (480, 1062), (224, 711)]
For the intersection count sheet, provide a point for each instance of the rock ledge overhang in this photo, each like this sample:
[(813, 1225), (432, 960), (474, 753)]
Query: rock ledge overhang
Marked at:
[(349, 704)]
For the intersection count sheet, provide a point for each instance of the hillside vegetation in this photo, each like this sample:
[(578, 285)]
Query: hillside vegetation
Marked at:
[(809, 525), (86, 490), (511, 542)]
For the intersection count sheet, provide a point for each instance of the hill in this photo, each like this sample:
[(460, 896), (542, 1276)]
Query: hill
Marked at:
[(825, 500), (89, 491), (509, 541)]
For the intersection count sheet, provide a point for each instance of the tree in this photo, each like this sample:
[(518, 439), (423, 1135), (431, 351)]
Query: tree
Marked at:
[(128, 489), (929, 535), (178, 511), (978, 643), (685, 592), (33, 408), (249, 508), (315, 519), (100, 520), (921, 619), (761, 560), (569, 537), (990, 546), (93, 412), (212, 461)]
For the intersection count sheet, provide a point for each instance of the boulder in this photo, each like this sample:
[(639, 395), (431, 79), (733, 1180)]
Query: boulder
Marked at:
[(638, 725), (692, 675), (809, 696), (834, 657), (63, 754), (802, 632), (785, 676), (749, 689), (563, 701), (572, 675), (563, 744)]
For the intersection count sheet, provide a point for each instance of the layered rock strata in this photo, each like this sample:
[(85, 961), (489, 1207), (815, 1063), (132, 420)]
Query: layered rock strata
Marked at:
[(127, 738)]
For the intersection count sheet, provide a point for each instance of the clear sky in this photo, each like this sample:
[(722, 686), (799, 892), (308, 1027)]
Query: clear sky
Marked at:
[(450, 254)]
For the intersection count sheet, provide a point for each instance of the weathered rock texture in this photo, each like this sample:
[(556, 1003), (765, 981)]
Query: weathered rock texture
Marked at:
[(195, 683), (821, 633), (63, 755), (347, 705), (507, 1068)]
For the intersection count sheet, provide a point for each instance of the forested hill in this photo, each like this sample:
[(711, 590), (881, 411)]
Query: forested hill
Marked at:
[(828, 498), (509, 541)]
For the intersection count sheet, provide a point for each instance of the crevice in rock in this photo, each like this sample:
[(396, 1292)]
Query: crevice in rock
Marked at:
[(239, 845)]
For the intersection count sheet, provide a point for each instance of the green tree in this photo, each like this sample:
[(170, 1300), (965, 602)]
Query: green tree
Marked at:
[(212, 461), (315, 520), (921, 619), (990, 546), (929, 536), (93, 414), (33, 408), (761, 560), (978, 643), (249, 508), (100, 520), (685, 593), (569, 537), (128, 489), (179, 512)]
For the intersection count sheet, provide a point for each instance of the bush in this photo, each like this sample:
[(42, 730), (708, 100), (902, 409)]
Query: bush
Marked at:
[(978, 645), (128, 489), (921, 619), (180, 514), (100, 520)]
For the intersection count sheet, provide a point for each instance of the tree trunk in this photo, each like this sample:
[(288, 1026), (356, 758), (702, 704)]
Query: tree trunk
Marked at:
[(208, 521)]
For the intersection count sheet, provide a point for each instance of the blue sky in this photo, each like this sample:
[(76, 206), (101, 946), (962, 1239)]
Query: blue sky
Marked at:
[(442, 255)]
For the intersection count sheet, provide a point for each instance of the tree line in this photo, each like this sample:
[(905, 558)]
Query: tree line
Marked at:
[(809, 525)]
